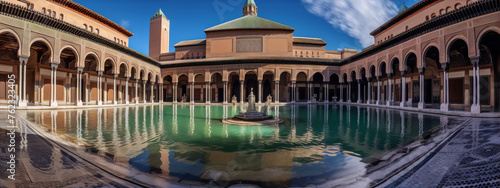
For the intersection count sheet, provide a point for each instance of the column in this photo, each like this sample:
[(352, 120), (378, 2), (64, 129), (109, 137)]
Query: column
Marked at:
[(174, 92), (403, 88), (369, 91), (144, 91), (389, 90), (114, 89), (476, 99), (22, 81), (53, 78), (241, 91), (191, 92), (161, 94), (421, 102), (79, 72), (136, 92), (445, 103), (341, 92), (225, 92), (349, 94), (152, 92), (294, 87), (99, 89), (325, 92), (126, 90), (277, 89), (359, 91), (207, 93), (309, 93), (260, 91), (378, 91)]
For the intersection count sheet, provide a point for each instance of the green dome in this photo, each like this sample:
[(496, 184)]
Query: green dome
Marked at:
[(158, 14)]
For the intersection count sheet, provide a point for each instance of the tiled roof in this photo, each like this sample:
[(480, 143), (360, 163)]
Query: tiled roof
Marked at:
[(191, 43), (305, 40), (249, 22)]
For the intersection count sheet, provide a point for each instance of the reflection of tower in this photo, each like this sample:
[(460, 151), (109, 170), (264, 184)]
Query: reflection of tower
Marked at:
[(159, 30)]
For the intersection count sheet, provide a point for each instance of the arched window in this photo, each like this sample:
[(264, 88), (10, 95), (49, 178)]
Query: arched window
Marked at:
[(49, 12), (61, 17), (43, 10), (433, 15), (427, 18), (115, 39), (441, 12), (97, 31), (32, 6), (54, 14), (85, 26), (448, 9), (406, 28), (457, 6), (125, 43), (91, 29)]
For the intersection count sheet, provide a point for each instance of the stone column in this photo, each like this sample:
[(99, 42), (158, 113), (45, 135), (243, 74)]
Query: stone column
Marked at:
[(277, 88), (389, 90), (260, 91), (152, 92), (144, 91), (445, 103), (294, 94), (242, 99), (191, 92), (349, 94), (207, 93), (359, 91), (225, 92), (403, 89), (378, 91), (341, 92), (174, 93), (126, 90), (161, 94), (325, 92), (114, 89), (369, 91), (476, 94), (421, 102), (53, 90), (99, 87), (79, 87), (22, 81), (136, 92), (309, 93)]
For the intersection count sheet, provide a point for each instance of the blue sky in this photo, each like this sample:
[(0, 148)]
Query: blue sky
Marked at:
[(341, 23)]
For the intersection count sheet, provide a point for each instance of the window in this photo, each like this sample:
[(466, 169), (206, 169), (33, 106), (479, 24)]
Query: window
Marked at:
[(49, 12), (32, 6), (115, 39), (97, 31), (54, 14), (448, 9), (433, 15), (406, 28), (426, 18), (125, 43), (61, 16), (43, 10), (441, 12), (91, 29), (457, 6)]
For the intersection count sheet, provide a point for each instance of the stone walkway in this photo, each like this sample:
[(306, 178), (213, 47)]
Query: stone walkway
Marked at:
[(470, 158), (39, 163)]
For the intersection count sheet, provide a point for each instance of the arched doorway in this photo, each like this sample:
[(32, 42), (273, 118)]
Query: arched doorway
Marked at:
[(301, 87), (317, 87), (89, 81), (334, 88), (121, 84), (234, 87), (142, 81), (267, 85), (353, 86), (284, 88), (396, 82), (168, 93), (250, 83), (156, 89), (149, 88), (39, 62), (373, 84), (364, 85), (9, 47), (217, 87), (133, 90), (182, 83), (383, 83), (343, 89), (67, 64), (107, 79), (432, 78), (489, 92), (199, 89), (412, 89)]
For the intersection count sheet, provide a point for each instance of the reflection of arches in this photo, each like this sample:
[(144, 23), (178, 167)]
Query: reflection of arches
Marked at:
[(489, 89)]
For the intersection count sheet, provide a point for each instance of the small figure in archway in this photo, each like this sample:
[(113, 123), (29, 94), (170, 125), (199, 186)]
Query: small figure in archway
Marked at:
[(269, 100), (234, 100)]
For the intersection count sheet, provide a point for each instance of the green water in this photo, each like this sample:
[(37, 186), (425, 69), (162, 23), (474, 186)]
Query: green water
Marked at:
[(315, 142)]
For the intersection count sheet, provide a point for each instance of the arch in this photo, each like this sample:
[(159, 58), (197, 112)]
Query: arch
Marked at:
[(313, 73), (317, 82), (451, 41), (302, 90), (303, 72), (284, 89), (12, 32), (217, 87), (457, 53), (489, 86), (410, 63), (114, 70), (215, 72), (142, 74), (47, 43), (234, 86), (75, 52), (133, 72), (394, 67), (66, 61), (482, 34), (426, 49)]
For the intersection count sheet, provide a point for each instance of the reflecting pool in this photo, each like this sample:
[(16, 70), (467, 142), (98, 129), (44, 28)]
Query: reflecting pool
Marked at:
[(315, 143)]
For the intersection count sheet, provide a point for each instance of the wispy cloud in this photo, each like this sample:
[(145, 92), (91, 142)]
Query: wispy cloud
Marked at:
[(355, 17), (125, 23)]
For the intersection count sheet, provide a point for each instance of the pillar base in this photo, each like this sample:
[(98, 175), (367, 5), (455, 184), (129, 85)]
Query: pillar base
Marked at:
[(359, 101), (23, 103), (161, 101), (341, 100), (421, 105), (377, 103), (192, 102), (136, 102), (445, 107), (349, 101), (225, 102), (388, 103), (115, 102), (53, 104), (475, 109), (402, 104), (79, 103), (99, 103), (208, 102), (126, 102)]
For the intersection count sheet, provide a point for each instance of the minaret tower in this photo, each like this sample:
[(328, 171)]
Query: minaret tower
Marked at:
[(250, 8), (159, 34)]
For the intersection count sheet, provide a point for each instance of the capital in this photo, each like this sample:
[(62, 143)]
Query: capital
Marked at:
[(475, 60), (23, 59), (54, 65)]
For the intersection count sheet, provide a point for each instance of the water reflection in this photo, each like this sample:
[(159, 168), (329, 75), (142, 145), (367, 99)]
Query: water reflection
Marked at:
[(316, 141)]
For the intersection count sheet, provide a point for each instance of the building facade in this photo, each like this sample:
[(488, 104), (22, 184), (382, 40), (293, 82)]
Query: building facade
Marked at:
[(66, 54)]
